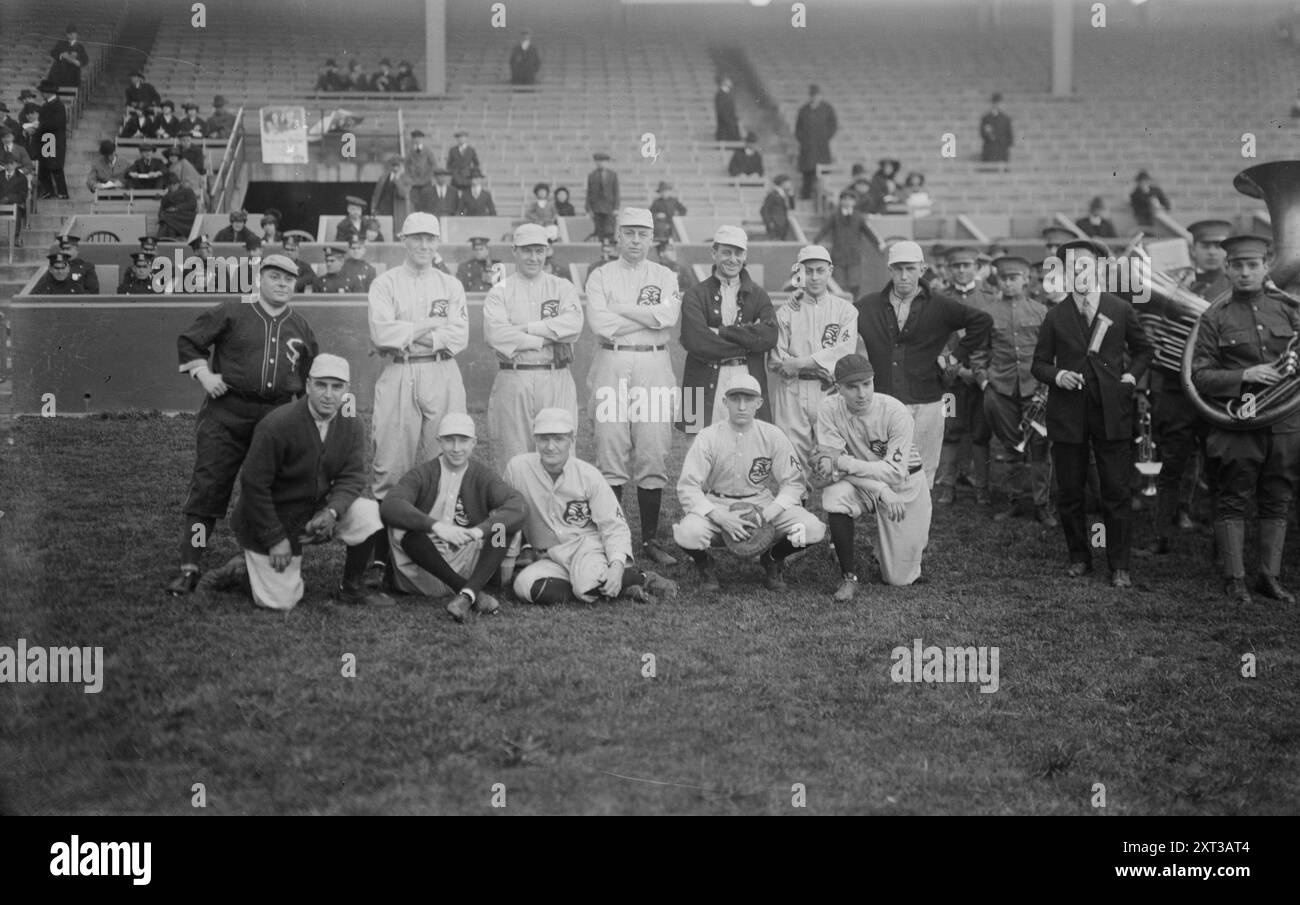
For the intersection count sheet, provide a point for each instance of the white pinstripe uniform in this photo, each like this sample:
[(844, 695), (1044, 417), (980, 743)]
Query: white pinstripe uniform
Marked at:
[(879, 450), (422, 381), (522, 320)]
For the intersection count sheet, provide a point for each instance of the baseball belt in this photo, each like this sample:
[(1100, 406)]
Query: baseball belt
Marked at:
[(732, 362), (440, 355), (605, 345), (510, 366), (736, 496)]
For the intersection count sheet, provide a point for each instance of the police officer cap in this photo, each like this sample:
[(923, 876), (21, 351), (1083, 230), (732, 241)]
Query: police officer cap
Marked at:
[(280, 262), (1057, 234), (1239, 247), (327, 365), (1094, 247), (479, 241), (148, 243), (69, 240), (1009, 263), (746, 384), (199, 241), (814, 253), (58, 257), (1210, 230), (141, 257), (530, 234), (636, 216), (420, 222), (353, 199), (961, 253), (853, 368), (457, 424), (334, 251), (731, 235), (553, 421)]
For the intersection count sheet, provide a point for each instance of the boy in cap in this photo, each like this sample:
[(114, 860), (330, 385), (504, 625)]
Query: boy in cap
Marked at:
[(476, 274), (221, 123), (355, 268), (350, 225), (260, 355), (525, 61), (575, 523), (995, 131), (178, 207), (462, 161), (531, 320), (476, 201), (10, 149), (867, 462), (632, 306), (82, 271), (302, 483), (602, 197), (192, 153), (1147, 198), (815, 329), (1246, 344), (391, 191), (847, 230), (138, 280), (57, 279), (237, 230), (450, 521), (405, 79), (728, 326), (664, 208), (70, 61), (382, 79), (737, 460)]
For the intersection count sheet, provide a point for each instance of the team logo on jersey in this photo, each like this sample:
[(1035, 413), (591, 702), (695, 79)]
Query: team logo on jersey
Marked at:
[(551, 308), (293, 350), (577, 513), (498, 273), (878, 448), (830, 335), (760, 470), (649, 295), (461, 517), (439, 308)]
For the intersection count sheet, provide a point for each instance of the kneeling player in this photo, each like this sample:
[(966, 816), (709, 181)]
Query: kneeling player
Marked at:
[(736, 460), (451, 520), (865, 451), (574, 523)]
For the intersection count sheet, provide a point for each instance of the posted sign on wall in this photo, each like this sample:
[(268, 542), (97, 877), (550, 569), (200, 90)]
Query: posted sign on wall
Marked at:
[(284, 134)]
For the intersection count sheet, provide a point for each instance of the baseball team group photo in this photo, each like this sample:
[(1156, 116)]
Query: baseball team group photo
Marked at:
[(650, 408)]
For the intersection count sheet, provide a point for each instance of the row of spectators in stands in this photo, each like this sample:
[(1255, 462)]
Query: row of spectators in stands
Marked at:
[(149, 116), (384, 79)]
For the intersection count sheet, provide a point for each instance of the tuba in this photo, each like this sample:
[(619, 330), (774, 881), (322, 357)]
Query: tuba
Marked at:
[(1278, 184)]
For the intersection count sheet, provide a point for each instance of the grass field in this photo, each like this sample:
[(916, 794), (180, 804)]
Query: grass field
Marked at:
[(754, 691)]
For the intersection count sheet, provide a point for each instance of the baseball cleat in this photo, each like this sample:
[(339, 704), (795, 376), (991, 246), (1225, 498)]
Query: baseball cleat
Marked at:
[(232, 576), (660, 586), (459, 607), (1235, 588), (486, 604), (639, 594), (184, 583), (1270, 587), (772, 578), (657, 554), (359, 595), (848, 587)]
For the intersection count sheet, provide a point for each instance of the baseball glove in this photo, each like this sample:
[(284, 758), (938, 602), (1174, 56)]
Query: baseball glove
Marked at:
[(760, 539), (822, 471)]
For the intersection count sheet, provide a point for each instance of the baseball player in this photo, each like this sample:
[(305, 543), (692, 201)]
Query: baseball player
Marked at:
[(531, 320), (450, 522), (814, 330), (260, 350), (865, 450), (302, 482), (632, 306), (575, 523), (737, 459)]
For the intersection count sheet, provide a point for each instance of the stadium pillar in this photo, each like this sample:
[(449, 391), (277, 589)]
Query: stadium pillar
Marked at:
[(435, 46), (1062, 48)]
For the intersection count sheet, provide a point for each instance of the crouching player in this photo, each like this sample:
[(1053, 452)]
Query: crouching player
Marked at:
[(451, 521), (865, 453), (736, 460), (574, 524)]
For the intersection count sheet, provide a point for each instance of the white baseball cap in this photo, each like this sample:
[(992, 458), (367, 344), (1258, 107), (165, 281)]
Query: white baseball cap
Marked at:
[(327, 365), (814, 253), (456, 424), (905, 252), (530, 234), (746, 384), (420, 222), (553, 421), (731, 235), (636, 216)]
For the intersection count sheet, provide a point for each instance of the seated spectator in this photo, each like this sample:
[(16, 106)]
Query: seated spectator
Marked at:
[(140, 93), (476, 201), (7, 121), (371, 230), (14, 189), (775, 212), (168, 126), (914, 195), (405, 80), (540, 210), (350, 225), (1146, 199), (133, 122), (563, 208), (150, 125), (9, 147), (237, 230), (177, 210), (148, 171), (356, 79), (70, 60), (884, 188), (1095, 225), (27, 98), (107, 171), (192, 125), (330, 79), (138, 279), (383, 79), (861, 190), (184, 171), (270, 224), (747, 161), (664, 208), (193, 153), (220, 123)]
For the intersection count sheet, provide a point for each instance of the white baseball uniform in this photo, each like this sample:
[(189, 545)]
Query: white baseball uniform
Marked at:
[(632, 363), (827, 330), (879, 448), (576, 520), (421, 382), (724, 465), (522, 320), (282, 590)]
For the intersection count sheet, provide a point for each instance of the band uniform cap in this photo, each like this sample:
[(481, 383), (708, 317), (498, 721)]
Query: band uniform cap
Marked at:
[(530, 234), (852, 368), (1091, 246), (961, 253), (419, 223), (280, 262), (636, 216), (457, 424), (906, 252), (814, 253), (327, 365), (1210, 230), (746, 383), (1005, 263), (353, 199), (731, 235), (553, 421), (1058, 234), (1239, 247)]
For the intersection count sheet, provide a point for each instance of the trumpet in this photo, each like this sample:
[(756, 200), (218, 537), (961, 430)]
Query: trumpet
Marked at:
[(1146, 463), (1033, 418)]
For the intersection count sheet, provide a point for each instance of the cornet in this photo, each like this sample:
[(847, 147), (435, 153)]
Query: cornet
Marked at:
[(1146, 462), (1033, 418)]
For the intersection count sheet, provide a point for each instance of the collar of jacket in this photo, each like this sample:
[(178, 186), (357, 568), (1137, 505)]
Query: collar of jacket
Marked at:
[(922, 293), (715, 282)]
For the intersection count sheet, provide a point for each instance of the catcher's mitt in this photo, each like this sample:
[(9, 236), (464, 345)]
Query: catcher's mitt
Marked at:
[(760, 538)]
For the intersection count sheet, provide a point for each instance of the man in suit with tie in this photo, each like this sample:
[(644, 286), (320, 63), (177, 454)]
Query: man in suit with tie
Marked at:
[(602, 197), (1081, 353), (444, 200)]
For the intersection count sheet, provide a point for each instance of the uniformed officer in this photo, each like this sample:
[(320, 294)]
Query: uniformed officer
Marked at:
[(1246, 344), (57, 280), (82, 271), (148, 244), (531, 320), (335, 280), (633, 304), (250, 357), (356, 268), (138, 280), (477, 274), (292, 243)]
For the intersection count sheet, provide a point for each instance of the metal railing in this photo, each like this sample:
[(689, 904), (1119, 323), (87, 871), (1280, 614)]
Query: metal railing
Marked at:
[(232, 163)]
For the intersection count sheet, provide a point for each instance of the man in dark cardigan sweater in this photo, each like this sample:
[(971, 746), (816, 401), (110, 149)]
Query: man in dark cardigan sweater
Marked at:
[(728, 325), (452, 517)]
